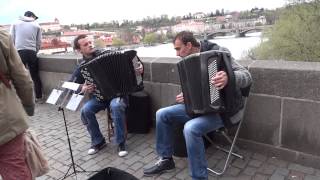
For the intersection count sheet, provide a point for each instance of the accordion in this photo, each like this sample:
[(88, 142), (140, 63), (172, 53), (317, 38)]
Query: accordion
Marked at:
[(200, 96), (114, 73)]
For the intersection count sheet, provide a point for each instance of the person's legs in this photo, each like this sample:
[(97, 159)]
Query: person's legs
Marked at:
[(13, 163), (23, 56), (165, 118), (88, 117), (193, 133), (118, 108), (30, 58)]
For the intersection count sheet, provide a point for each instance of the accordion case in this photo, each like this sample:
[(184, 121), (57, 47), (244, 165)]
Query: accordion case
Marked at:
[(114, 73), (200, 96)]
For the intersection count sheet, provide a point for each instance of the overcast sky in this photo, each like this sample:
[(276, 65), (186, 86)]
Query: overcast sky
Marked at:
[(89, 11)]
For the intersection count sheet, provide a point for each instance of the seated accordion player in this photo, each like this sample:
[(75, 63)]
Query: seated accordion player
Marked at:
[(114, 73), (200, 96)]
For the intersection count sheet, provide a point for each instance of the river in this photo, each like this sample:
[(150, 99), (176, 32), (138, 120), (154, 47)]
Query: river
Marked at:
[(238, 46)]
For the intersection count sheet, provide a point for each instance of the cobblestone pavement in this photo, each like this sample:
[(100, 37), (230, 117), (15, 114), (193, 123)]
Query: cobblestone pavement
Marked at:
[(49, 126)]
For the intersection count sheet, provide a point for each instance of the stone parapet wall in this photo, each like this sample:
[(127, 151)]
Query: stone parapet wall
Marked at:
[(283, 111)]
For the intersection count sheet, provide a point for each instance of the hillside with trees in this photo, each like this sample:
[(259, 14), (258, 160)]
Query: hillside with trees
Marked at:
[(295, 36)]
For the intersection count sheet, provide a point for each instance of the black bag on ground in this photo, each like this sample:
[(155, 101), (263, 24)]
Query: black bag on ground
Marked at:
[(111, 173), (139, 119)]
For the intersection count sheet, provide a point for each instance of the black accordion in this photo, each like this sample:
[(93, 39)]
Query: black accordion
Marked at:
[(200, 96), (114, 73)]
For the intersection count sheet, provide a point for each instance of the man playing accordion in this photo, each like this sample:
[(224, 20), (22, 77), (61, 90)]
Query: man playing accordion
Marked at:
[(97, 102), (194, 127)]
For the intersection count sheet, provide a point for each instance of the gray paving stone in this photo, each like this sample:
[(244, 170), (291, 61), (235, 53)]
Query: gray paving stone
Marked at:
[(136, 166), (276, 176), (49, 125), (282, 171), (310, 177), (232, 171), (133, 160), (304, 169), (226, 178), (147, 150), (267, 169), (212, 162), (260, 177), (243, 177), (295, 175), (259, 157), (317, 173), (182, 174), (277, 162), (250, 171), (240, 163), (170, 175), (255, 163), (139, 174)]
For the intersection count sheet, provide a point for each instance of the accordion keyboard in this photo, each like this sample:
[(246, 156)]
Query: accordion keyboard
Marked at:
[(212, 71)]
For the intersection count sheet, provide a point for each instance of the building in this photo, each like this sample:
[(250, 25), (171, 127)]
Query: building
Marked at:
[(189, 25), (68, 36), (51, 26), (199, 15)]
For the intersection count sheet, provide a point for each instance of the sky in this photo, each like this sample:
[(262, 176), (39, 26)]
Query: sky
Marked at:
[(90, 11)]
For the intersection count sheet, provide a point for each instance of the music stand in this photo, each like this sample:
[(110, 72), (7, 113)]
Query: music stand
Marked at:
[(53, 98)]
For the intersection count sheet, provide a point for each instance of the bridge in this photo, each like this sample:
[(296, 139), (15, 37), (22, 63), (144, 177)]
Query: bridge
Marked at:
[(279, 138), (240, 32)]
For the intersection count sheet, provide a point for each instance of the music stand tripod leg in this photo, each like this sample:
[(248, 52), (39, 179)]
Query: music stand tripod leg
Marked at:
[(73, 165)]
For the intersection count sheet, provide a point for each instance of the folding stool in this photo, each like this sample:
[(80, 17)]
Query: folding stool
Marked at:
[(223, 131)]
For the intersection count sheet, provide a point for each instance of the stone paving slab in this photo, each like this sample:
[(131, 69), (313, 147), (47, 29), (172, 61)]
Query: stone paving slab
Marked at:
[(49, 126)]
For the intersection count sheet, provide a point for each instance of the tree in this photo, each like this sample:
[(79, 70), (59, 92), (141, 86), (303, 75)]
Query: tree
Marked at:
[(126, 35), (295, 35), (161, 38), (67, 27), (99, 43), (150, 38), (218, 12), (117, 42), (271, 15)]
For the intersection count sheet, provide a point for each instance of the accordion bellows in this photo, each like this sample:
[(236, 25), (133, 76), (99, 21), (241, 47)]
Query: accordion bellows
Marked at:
[(114, 73), (195, 71)]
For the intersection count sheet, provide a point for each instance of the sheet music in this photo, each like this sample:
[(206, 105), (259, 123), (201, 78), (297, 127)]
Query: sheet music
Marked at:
[(74, 102), (54, 96), (71, 85)]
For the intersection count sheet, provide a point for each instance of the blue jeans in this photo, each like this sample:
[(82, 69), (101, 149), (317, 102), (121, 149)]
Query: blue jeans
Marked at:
[(88, 117), (193, 131)]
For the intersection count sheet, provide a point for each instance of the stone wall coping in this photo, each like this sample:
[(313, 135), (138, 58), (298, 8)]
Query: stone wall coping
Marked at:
[(261, 64)]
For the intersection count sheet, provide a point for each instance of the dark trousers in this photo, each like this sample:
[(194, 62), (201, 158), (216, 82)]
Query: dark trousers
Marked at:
[(30, 60)]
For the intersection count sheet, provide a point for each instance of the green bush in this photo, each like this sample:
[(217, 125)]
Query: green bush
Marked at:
[(295, 36)]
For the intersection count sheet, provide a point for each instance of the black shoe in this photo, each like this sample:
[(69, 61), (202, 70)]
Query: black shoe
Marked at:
[(97, 148), (163, 165), (122, 149)]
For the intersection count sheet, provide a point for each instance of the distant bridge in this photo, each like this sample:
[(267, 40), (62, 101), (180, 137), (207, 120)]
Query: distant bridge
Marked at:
[(239, 32)]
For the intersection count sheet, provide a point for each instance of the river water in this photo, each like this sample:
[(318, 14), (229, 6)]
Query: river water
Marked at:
[(238, 47)]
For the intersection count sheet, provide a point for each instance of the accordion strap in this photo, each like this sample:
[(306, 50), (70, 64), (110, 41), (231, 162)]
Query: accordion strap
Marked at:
[(142, 66)]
